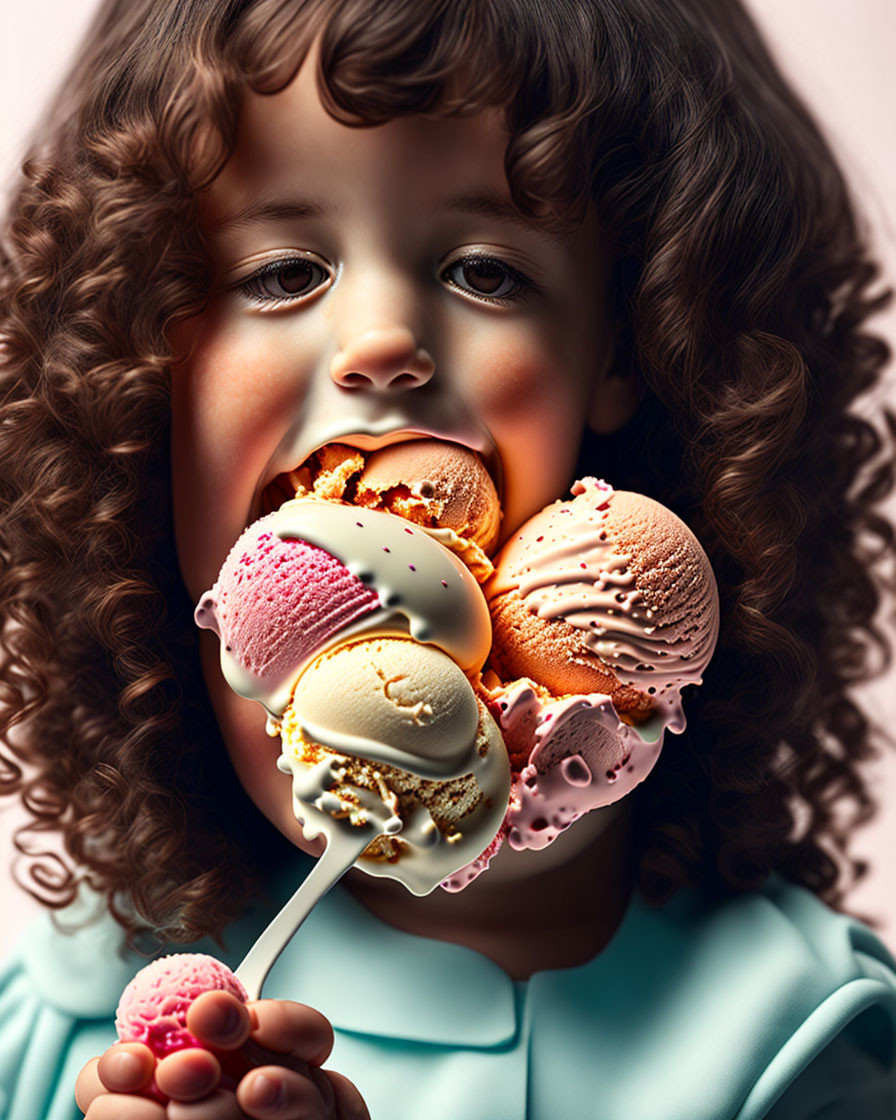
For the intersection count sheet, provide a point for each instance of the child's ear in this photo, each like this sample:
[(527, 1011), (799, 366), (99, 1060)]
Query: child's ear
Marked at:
[(615, 399)]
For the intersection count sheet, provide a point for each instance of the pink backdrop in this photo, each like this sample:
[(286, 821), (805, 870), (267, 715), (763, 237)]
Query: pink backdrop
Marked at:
[(838, 55)]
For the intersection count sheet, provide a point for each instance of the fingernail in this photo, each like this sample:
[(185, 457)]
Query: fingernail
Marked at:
[(266, 1092), (231, 1024), (193, 1086)]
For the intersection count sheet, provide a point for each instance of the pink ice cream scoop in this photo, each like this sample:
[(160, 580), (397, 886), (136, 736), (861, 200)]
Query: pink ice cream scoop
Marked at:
[(314, 574), (278, 600), (153, 1007)]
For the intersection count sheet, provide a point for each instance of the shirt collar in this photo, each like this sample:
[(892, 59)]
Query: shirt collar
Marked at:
[(370, 978)]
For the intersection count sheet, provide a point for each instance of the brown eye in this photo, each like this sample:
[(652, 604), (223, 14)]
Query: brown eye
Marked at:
[(485, 277), (284, 280), (295, 277)]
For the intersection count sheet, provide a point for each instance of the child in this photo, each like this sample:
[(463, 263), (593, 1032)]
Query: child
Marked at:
[(594, 237)]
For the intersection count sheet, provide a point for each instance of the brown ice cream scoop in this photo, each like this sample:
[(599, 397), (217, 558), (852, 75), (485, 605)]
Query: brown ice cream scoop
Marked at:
[(434, 483), (553, 653), (609, 592)]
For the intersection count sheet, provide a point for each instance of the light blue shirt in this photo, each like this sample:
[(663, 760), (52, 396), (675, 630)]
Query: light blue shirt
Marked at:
[(696, 1011)]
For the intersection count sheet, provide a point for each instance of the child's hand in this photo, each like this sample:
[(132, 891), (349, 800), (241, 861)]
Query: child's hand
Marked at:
[(261, 1060)]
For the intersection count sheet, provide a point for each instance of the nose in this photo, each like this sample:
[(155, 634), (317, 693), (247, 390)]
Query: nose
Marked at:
[(383, 357)]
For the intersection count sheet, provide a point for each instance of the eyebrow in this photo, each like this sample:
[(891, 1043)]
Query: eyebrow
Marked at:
[(265, 210), (493, 204), (486, 204)]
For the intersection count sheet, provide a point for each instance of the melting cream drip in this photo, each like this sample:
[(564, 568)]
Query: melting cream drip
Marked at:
[(429, 856)]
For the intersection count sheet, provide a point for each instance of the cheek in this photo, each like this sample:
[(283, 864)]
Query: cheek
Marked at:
[(225, 393), (534, 404), (230, 401), (526, 380)]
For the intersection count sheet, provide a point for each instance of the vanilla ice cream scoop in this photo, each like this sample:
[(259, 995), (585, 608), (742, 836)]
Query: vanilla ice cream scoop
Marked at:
[(408, 755)]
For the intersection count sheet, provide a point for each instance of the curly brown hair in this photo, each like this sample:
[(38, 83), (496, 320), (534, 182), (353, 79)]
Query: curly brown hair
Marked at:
[(741, 285)]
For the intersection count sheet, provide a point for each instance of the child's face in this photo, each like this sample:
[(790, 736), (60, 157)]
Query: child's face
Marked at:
[(372, 281)]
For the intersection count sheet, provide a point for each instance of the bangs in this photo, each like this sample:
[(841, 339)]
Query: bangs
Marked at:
[(378, 61)]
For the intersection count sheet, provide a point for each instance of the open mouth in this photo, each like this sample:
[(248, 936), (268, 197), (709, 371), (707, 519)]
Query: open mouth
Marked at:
[(438, 484), (330, 472), (334, 470)]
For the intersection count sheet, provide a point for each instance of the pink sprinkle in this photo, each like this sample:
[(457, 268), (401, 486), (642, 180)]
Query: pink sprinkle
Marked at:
[(411, 531), (444, 583), (411, 566), (385, 549)]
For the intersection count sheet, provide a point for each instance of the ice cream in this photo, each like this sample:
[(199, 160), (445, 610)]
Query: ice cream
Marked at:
[(153, 1007), (609, 592), (314, 573), (365, 637), (408, 752), (442, 486), (278, 600), (359, 632), (603, 609)]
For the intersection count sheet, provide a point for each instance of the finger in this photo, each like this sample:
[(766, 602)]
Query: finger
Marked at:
[(349, 1102), (88, 1085), (126, 1067), (219, 1106), (219, 1020), (275, 1093), (114, 1106), (188, 1075), (292, 1028)]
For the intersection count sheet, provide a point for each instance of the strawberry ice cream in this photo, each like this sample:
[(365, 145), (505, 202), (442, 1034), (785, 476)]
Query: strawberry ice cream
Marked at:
[(153, 1007), (277, 600), (316, 573)]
